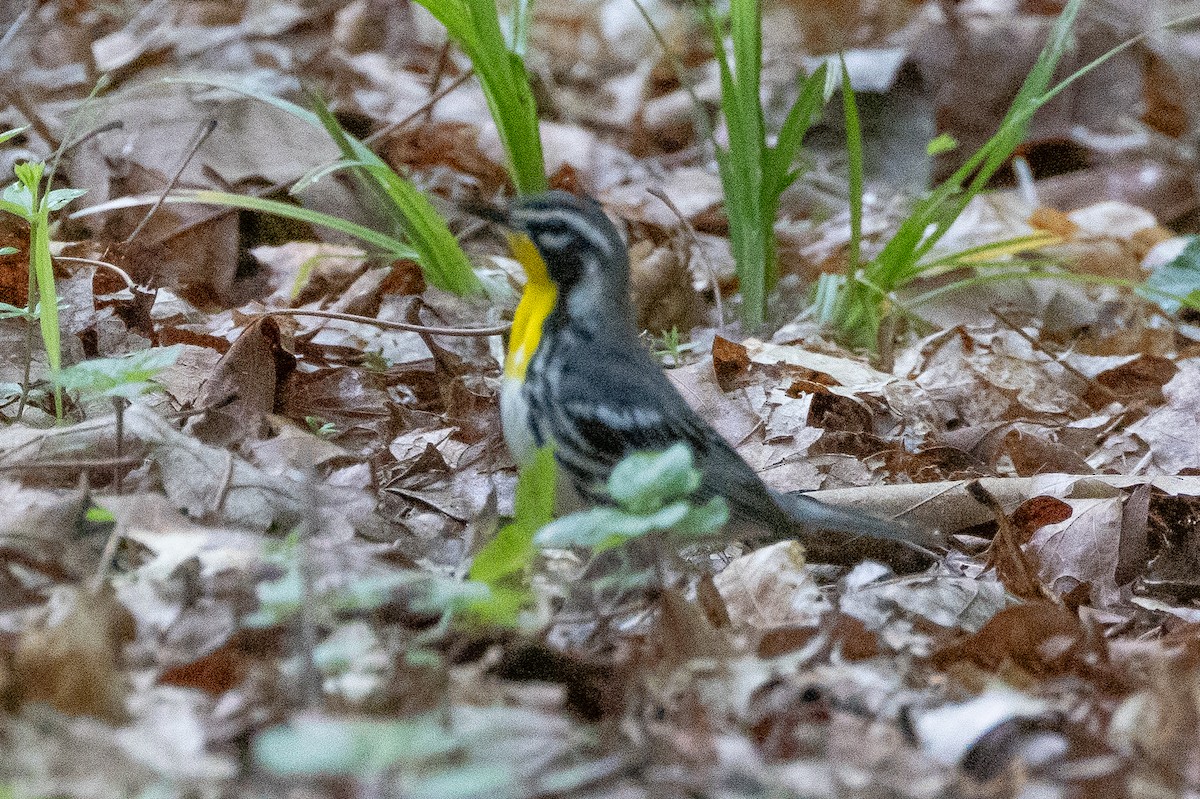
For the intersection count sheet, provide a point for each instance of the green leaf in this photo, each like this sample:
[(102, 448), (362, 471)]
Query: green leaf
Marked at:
[(127, 376), (281, 599), (8, 311), (604, 527), (8, 134), (943, 143), (17, 199), (645, 481), (1180, 276), (60, 197), (47, 303), (326, 746), (8, 251), (652, 490), (475, 27), (500, 607), (512, 550), (99, 515), (29, 174), (703, 521), (854, 156), (470, 781), (803, 114)]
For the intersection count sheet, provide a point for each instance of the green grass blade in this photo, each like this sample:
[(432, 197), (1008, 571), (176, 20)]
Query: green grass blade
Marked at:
[(434, 247), (751, 234), (899, 262), (475, 26), (10, 133), (442, 259), (1007, 275), (239, 87), (512, 550), (43, 273), (854, 157), (522, 13), (393, 247), (803, 114)]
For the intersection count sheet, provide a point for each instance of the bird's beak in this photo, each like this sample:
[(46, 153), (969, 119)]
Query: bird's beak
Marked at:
[(492, 213)]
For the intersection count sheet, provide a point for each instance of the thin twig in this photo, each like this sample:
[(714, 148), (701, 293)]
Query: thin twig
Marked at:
[(115, 537), (68, 139), (115, 124), (220, 403), (1039, 347), (17, 24), (439, 70), (702, 122), (118, 404), (121, 273), (83, 463), (35, 120), (497, 330), (425, 108), (695, 240), (27, 372), (201, 136)]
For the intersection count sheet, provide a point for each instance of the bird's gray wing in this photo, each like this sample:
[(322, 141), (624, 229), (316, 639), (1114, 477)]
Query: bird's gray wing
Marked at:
[(622, 404)]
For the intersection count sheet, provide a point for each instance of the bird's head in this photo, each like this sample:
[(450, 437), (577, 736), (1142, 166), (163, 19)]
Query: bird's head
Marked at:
[(578, 242), (578, 276)]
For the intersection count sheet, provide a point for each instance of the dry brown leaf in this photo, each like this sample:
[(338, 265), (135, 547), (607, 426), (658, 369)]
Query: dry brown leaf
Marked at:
[(770, 588), (1083, 550), (730, 416), (1030, 642), (1015, 567), (74, 663), (250, 372), (353, 401), (1172, 432), (299, 272), (215, 673)]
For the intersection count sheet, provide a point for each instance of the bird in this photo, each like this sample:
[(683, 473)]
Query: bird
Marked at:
[(577, 376)]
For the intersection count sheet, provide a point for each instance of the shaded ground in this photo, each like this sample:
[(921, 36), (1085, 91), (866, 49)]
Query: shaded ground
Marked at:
[(241, 585)]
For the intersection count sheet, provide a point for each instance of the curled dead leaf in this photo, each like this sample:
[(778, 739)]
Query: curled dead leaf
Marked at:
[(74, 665)]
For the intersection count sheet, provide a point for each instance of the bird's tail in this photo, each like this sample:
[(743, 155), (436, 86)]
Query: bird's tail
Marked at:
[(813, 513)]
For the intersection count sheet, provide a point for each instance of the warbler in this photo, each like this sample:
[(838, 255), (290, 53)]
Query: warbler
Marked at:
[(577, 376)]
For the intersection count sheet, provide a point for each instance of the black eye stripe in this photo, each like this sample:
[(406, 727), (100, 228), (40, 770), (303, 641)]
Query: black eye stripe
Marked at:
[(562, 223)]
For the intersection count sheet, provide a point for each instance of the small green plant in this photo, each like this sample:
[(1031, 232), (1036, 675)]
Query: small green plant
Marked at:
[(856, 302), (1176, 283), (320, 427), (669, 347), (124, 376), (500, 64), (503, 563), (754, 172), (28, 199), (439, 254), (652, 495), (315, 746), (422, 234), (282, 599)]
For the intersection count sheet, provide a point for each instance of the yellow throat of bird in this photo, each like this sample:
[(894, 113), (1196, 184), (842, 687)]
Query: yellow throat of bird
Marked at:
[(536, 303)]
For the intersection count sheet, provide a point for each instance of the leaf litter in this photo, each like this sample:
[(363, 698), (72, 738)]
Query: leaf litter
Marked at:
[(242, 582)]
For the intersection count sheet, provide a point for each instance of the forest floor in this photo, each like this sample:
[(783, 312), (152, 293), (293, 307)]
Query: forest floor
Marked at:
[(249, 580)]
